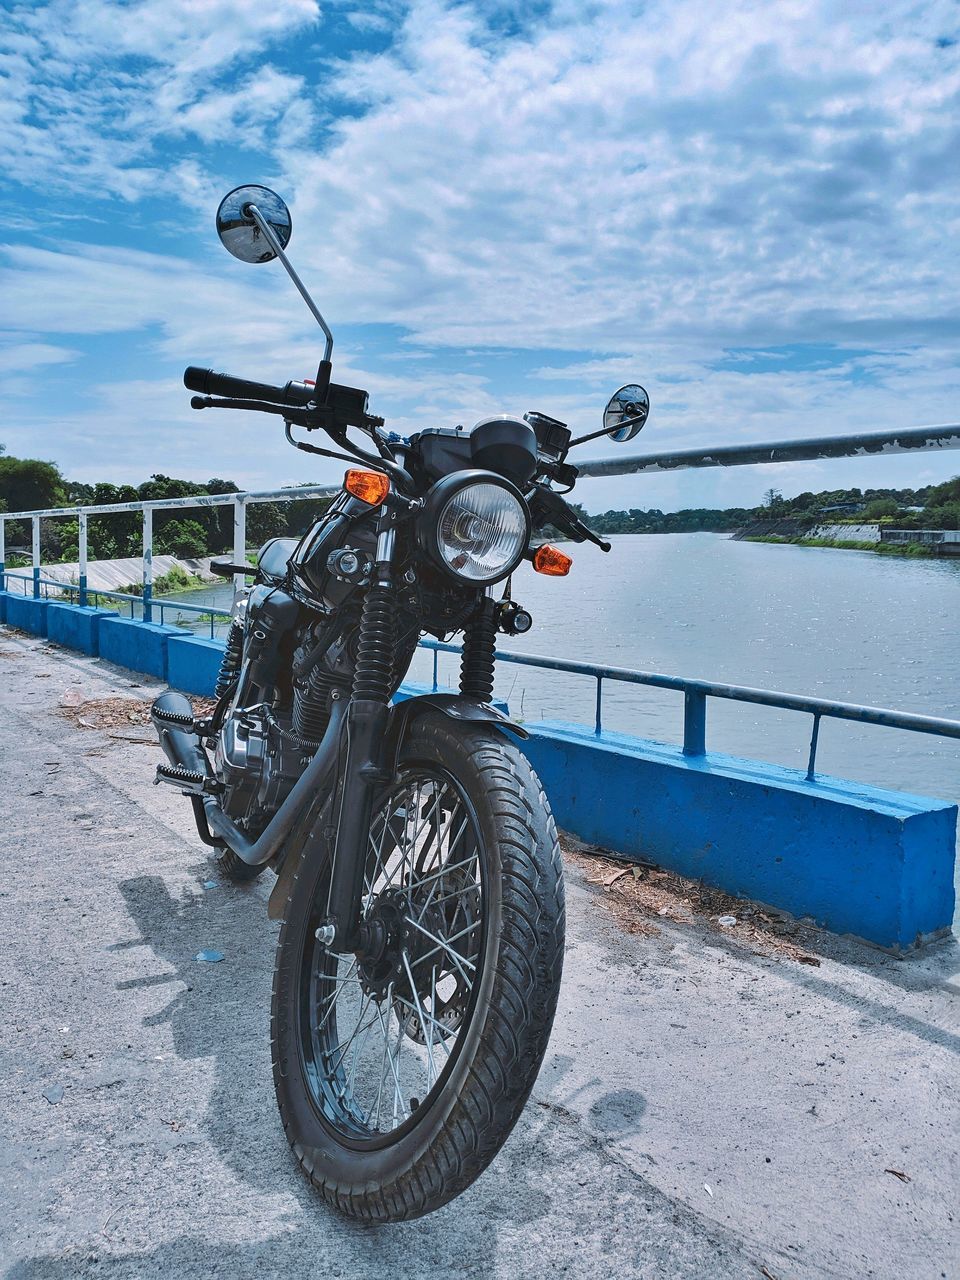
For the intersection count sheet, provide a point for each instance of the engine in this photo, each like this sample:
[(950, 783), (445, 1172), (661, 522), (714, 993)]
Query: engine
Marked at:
[(283, 666), (279, 678), (258, 760)]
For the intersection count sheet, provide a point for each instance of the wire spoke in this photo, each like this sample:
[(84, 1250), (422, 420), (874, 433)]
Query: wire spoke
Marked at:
[(405, 1002), (445, 1032), (422, 1016), (435, 885), (345, 1044), (455, 956)]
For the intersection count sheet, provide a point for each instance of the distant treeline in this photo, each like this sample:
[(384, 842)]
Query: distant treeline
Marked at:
[(27, 484), (932, 507)]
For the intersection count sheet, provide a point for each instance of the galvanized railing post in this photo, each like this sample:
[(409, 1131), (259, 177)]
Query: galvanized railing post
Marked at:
[(694, 723), (3, 554), (239, 546), (36, 557), (82, 567), (598, 726), (147, 563), (814, 736)]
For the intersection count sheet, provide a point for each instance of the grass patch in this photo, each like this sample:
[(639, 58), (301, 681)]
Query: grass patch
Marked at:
[(912, 550), (176, 580)]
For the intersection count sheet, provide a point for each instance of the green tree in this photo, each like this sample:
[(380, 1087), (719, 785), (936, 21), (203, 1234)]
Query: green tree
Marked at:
[(27, 484), (115, 536), (881, 507), (184, 538), (265, 520)]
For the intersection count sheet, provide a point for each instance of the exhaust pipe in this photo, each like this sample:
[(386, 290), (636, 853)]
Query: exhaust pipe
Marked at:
[(172, 717)]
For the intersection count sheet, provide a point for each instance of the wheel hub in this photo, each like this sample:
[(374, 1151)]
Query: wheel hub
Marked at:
[(442, 989), (383, 936)]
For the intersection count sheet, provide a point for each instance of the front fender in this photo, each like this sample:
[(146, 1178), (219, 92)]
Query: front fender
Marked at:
[(454, 705)]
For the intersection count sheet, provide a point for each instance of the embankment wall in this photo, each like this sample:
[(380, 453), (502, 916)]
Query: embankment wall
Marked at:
[(858, 860)]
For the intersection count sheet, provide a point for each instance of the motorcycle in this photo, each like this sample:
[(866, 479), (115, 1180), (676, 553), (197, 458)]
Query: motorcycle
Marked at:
[(419, 880)]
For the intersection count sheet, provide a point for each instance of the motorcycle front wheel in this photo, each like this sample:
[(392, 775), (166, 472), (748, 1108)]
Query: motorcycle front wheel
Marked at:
[(400, 1075)]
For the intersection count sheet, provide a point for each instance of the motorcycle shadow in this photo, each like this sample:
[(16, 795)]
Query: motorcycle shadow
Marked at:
[(220, 1015), (553, 1199)]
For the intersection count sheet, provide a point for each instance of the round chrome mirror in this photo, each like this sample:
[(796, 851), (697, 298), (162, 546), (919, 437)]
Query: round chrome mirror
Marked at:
[(240, 234), (628, 406)]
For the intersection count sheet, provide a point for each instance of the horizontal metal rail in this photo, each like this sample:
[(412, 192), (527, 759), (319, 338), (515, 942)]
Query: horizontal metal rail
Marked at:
[(173, 504), (95, 594), (862, 445), (696, 692)]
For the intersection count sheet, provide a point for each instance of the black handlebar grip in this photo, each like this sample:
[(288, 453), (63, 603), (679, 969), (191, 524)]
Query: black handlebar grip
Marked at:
[(222, 384)]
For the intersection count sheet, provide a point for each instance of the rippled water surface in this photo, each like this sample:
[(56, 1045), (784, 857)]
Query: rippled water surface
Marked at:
[(847, 625)]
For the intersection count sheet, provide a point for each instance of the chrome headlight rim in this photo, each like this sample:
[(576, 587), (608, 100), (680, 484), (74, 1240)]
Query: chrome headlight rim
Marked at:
[(436, 502)]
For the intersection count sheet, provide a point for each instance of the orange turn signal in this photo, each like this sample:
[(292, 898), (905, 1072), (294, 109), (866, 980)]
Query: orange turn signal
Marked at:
[(549, 560), (369, 486)]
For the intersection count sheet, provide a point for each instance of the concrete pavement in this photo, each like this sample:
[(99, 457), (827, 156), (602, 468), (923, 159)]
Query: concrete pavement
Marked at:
[(707, 1109)]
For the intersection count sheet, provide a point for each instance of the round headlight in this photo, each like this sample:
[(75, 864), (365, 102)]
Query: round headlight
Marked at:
[(477, 529)]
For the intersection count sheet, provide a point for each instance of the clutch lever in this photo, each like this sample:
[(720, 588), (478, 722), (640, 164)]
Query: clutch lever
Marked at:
[(589, 536)]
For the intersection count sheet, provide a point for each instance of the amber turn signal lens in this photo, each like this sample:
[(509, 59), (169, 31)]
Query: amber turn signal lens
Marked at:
[(549, 560), (369, 486)]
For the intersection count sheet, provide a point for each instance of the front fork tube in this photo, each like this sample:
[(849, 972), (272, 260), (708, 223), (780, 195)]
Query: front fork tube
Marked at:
[(367, 717)]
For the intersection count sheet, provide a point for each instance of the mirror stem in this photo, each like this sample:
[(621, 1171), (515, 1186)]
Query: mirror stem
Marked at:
[(606, 431), (270, 236)]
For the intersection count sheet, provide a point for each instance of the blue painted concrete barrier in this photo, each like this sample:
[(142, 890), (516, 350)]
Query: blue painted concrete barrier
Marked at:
[(75, 627), (877, 864), (193, 663), (3, 605), (26, 614), (142, 646)]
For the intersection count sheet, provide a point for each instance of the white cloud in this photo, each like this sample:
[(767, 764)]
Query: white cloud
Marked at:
[(642, 186), (22, 357), (767, 174), (88, 87)]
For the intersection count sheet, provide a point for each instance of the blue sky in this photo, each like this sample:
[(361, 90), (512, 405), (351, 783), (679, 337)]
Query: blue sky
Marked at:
[(753, 209)]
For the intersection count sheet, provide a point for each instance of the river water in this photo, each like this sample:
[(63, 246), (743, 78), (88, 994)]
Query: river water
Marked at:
[(847, 625)]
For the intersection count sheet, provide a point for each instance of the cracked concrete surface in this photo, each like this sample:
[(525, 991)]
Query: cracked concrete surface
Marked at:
[(704, 1111)]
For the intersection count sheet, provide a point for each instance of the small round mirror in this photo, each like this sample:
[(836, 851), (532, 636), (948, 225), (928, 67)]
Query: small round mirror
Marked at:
[(240, 234), (629, 406)]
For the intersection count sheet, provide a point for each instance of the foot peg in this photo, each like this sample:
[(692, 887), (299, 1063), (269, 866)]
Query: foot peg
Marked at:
[(189, 781), (174, 719)]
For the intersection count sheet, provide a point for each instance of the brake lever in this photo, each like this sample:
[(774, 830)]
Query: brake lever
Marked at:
[(299, 417)]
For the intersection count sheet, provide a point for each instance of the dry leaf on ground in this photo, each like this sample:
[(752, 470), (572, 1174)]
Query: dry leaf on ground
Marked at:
[(651, 893), (118, 712)]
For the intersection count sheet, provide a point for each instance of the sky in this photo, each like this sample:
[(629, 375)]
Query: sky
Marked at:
[(750, 208)]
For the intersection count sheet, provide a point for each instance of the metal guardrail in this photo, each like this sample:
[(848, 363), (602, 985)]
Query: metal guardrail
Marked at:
[(859, 445), (696, 692), (96, 594), (239, 502)]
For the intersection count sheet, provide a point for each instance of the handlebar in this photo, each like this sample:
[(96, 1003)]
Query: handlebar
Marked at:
[(223, 384)]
